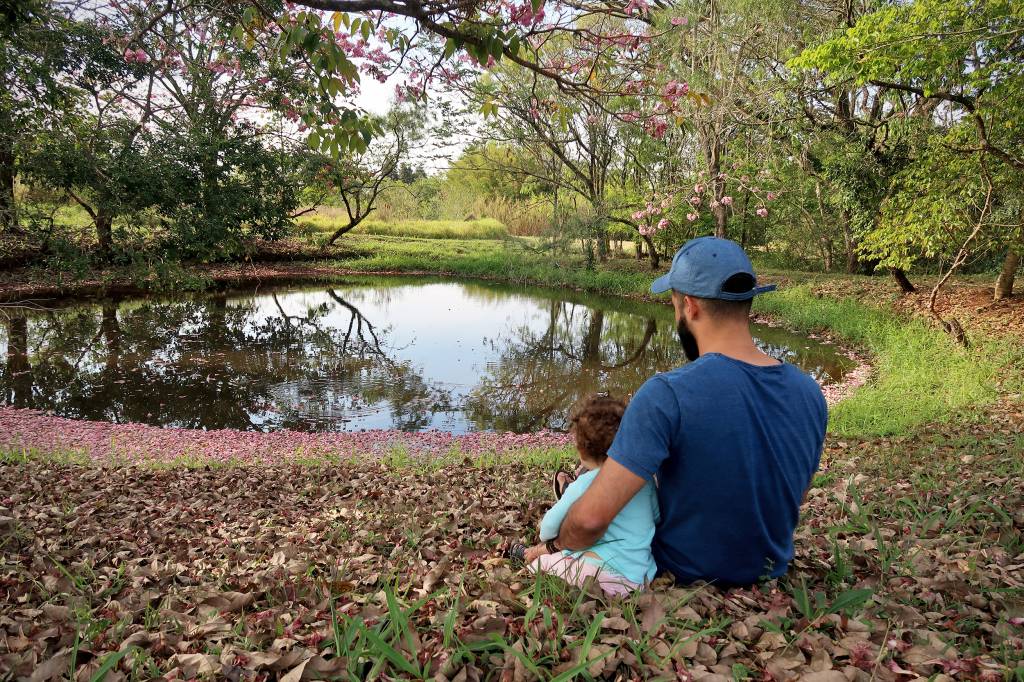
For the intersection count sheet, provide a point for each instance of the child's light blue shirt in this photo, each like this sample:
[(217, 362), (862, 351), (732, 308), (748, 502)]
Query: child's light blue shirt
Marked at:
[(625, 547)]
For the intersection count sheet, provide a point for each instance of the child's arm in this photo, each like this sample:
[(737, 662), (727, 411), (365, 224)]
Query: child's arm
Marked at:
[(552, 521)]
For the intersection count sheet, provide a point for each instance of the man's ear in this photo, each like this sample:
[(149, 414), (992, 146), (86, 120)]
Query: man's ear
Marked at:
[(691, 306)]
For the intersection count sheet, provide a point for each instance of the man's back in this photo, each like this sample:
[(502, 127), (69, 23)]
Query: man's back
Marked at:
[(734, 446)]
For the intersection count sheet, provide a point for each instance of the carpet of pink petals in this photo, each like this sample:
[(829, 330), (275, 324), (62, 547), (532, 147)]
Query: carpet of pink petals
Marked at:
[(36, 432), (32, 431)]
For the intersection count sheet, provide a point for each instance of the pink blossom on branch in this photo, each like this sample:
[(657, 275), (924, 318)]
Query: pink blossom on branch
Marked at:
[(637, 7), (657, 127)]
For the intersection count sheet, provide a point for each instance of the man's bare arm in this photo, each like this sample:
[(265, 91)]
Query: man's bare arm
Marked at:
[(589, 518)]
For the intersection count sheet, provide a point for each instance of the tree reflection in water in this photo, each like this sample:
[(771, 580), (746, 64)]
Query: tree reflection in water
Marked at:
[(207, 364), (379, 353), (583, 350)]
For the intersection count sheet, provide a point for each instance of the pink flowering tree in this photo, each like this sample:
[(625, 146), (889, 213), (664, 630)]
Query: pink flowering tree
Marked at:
[(224, 112), (720, 53), (576, 141), (343, 41), (100, 149)]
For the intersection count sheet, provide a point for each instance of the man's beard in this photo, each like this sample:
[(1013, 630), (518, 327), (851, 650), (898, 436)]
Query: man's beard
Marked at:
[(688, 341)]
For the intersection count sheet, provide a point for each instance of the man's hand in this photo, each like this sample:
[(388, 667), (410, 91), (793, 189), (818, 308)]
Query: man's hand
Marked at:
[(590, 517), (533, 553)]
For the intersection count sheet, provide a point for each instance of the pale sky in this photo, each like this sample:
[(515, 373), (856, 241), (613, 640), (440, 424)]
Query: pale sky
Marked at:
[(434, 155)]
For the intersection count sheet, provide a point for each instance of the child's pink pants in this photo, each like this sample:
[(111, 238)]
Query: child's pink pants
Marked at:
[(575, 571)]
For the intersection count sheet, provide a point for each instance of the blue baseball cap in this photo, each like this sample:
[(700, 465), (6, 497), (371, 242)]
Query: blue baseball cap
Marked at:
[(703, 265)]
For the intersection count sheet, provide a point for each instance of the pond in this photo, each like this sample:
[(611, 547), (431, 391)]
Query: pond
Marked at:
[(368, 353)]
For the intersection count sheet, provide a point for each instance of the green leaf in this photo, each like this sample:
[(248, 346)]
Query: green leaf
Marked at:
[(585, 661), (108, 664), (850, 600), (389, 652), (449, 48), (802, 600)]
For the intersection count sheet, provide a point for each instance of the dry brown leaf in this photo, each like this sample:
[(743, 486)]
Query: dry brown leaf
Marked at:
[(615, 623), (823, 676)]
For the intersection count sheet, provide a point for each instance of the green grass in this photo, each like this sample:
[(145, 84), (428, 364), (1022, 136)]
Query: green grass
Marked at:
[(516, 261), (921, 375), (326, 220)]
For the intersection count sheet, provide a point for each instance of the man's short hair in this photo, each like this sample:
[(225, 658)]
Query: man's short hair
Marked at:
[(721, 309)]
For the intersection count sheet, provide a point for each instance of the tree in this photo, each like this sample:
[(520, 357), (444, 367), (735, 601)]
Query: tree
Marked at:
[(573, 142), (374, 37), (100, 150), (359, 179), (175, 124), (958, 61), (229, 190), (110, 166), (42, 54)]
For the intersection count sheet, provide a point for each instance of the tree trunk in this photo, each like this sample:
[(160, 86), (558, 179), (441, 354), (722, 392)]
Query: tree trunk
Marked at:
[(743, 221), (592, 339), (104, 232), (850, 245), (720, 210), (826, 253), (906, 286), (8, 209), (342, 230), (653, 250), (111, 331), (1004, 283)]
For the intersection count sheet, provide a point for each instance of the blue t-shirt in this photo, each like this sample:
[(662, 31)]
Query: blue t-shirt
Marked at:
[(734, 447), (625, 548)]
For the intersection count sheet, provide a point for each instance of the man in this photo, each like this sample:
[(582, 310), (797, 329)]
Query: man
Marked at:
[(734, 436)]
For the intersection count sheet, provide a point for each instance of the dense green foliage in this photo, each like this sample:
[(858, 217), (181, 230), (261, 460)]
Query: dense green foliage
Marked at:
[(836, 136)]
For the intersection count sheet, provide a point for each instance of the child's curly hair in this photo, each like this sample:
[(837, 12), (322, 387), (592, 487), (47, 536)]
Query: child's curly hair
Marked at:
[(595, 420)]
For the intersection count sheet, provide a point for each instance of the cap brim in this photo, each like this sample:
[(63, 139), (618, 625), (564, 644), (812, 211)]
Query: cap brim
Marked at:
[(661, 285)]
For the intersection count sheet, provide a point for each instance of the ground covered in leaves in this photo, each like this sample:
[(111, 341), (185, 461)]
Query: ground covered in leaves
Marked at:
[(910, 563)]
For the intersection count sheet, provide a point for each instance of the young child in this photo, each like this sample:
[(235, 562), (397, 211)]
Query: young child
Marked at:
[(621, 560)]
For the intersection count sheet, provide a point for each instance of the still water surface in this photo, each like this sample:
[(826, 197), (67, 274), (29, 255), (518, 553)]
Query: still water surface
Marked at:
[(400, 353)]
